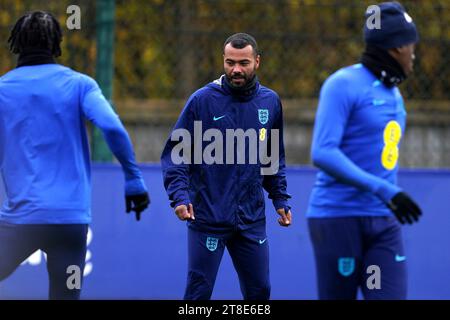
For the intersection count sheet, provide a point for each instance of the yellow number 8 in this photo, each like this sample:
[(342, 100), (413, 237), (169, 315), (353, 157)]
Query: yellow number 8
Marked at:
[(392, 135), (262, 134)]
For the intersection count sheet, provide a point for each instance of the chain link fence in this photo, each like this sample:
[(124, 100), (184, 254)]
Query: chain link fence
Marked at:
[(165, 50), (173, 47)]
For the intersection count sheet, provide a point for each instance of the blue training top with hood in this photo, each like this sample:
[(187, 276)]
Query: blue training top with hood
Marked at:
[(227, 196), (358, 127), (44, 152)]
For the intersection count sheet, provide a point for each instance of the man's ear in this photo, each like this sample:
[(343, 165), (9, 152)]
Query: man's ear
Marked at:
[(257, 60), (395, 52)]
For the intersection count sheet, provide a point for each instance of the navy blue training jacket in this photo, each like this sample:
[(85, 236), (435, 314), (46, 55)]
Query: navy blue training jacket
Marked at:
[(224, 195)]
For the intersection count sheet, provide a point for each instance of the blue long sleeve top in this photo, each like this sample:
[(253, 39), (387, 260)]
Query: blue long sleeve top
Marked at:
[(358, 128), (44, 151)]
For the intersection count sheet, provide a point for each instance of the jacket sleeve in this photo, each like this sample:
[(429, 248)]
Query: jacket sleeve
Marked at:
[(98, 110), (334, 109), (276, 184), (176, 156)]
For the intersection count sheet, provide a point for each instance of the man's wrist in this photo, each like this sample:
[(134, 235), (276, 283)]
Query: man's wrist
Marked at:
[(180, 203), (135, 186)]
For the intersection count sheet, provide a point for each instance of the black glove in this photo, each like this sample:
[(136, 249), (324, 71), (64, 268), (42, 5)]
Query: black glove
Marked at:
[(140, 202), (404, 208)]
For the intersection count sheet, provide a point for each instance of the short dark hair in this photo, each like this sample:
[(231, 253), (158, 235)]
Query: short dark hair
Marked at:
[(241, 40), (36, 30)]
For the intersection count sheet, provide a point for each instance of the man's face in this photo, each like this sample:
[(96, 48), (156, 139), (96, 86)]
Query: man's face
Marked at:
[(405, 57), (240, 64)]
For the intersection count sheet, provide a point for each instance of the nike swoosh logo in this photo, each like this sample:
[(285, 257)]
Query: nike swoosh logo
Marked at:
[(218, 118), (399, 258), (262, 241), (378, 102)]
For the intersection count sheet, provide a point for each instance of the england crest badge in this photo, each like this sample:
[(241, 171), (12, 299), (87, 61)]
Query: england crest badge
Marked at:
[(263, 115)]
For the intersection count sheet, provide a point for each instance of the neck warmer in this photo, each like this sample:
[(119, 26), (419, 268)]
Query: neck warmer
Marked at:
[(383, 66), (246, 91), (34, 57)]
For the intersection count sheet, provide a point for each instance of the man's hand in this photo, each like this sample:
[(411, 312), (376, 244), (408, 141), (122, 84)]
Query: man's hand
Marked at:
[(184, 212), (404, 208), (137, 203), (285, 219)]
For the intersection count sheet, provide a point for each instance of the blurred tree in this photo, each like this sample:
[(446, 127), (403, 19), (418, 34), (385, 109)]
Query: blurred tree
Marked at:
[(168, 48)]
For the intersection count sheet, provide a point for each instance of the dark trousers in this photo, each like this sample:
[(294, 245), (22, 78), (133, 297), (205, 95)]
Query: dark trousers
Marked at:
[(249, 251), (65, 246), (348, 252)]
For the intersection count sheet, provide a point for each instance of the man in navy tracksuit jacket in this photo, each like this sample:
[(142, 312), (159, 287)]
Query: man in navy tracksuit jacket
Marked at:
[(227, 195)]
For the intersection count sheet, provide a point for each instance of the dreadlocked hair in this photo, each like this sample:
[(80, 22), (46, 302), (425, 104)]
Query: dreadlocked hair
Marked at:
[(36, 30)]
